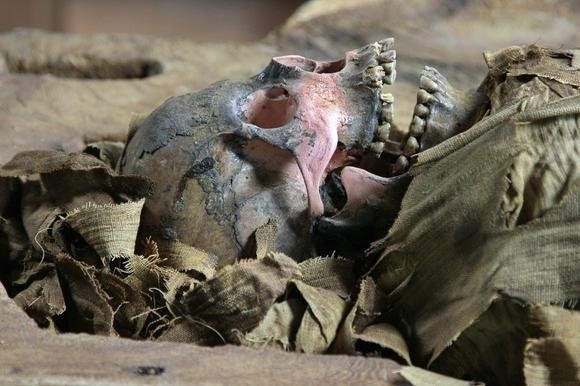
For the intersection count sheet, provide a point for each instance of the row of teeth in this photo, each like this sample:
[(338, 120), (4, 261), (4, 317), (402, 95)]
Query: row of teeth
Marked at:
[(412, 145), (382, 71), (385, 121)]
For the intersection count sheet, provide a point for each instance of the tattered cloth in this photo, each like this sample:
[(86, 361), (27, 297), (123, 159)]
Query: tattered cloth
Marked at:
[(478, 278)]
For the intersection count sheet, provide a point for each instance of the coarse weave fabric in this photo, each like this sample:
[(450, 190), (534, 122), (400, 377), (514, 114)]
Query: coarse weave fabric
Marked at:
[(478, 278)]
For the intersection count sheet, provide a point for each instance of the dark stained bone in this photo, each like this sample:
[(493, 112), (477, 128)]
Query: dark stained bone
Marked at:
[(230, 158), (336, 103)]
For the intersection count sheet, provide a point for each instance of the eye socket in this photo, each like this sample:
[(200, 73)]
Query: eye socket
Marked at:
[(270, 107)]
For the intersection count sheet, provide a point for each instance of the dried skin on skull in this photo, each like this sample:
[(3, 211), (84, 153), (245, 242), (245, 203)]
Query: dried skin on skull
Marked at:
[(236, 155)]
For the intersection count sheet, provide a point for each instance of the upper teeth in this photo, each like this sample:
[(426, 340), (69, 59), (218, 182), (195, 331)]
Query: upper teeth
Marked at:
[(387, 113), (387, 56), (387, 97), (374, 76), (375, 73), (383, 131)]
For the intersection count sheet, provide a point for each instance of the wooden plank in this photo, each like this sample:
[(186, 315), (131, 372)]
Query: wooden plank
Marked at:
[(43, 105), (29, 355)]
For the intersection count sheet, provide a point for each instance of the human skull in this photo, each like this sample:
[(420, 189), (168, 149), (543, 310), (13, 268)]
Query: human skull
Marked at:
[(238, 155)]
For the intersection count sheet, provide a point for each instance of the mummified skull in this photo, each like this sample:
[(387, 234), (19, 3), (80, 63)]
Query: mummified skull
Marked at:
[(238, 155)]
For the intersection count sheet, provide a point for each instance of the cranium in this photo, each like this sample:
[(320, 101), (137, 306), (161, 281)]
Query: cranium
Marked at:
[(237, 155)]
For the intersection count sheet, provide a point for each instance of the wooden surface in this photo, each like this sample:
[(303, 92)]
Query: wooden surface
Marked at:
[(45, 110), (30, 356)]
